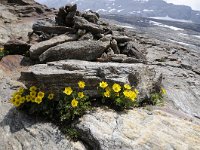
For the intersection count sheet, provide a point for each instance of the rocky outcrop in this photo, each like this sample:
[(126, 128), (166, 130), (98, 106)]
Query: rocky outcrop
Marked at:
[(37, 49), (138, 129), (19, 131), (57, 75), (81, 50)]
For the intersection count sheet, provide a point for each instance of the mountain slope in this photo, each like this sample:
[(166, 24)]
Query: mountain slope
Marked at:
[(144, 8)]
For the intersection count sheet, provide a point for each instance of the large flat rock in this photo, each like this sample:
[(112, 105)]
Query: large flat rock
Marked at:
[(57, 75), (138, 129), (81, 50)]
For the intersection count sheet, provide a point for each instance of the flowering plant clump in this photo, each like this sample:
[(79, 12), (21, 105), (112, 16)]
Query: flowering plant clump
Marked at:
[(73, 102), (121, 96)]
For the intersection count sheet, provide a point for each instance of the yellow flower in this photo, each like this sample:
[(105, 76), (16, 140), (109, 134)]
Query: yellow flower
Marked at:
[(126, 93), (103, 84), (133, 95), (50, 96), (17, 97), (33, 88), (136, 91), (107, 94), (108, 89), (40, 94), (33, 94), (81, 94), (68, 91), (38, 100), (32, 99), (81, 84), (1, 49), (28, 98), (127, 86), (17, 103), (74, 103), (116, 88), (163, 91)]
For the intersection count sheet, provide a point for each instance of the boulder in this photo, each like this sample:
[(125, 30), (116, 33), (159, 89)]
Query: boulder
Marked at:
[(16, 47), (134, 49), (114, 46), (87, 36), (81, 23), (37, 49), (138, 129), (91, 16), (57, 75), (81, 50), (122, 38)]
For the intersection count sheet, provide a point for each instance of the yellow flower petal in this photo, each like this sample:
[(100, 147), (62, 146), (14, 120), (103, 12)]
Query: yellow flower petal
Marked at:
[(116, 88), (103, 84), (68, 91), (127, 86), (40, 94), (81, 94), (81, 84), (50, 96), (74, 103)]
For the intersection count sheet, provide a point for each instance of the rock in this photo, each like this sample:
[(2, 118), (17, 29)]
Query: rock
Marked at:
[(81, 23), (122, 38), (37, 49), (57, 75), (136, 129), (91, 16), (20, 2), (81, 50), (16, 47), (20, 131), (52, 29), (114, 46), (134, 50), (87, 36)]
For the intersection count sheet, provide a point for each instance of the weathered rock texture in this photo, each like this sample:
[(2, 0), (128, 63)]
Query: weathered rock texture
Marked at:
[(138, 129), (57, 75), (19, 131), (81, 50)]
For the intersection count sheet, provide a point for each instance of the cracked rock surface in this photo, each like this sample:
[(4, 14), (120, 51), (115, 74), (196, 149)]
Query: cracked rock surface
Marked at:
[(138, 129)]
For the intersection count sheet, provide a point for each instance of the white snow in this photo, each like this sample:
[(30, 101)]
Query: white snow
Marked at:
[(165, 26), (103, 10), (182, 43), (148, 10), (120, 10), (197, 36), (171, 19), (111, 10)]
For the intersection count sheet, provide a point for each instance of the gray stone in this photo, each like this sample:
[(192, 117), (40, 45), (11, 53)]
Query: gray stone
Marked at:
[(90, 16), (114, 46), (87, 36), (82, 23), (57, 75), (37, 49), (122, 38), (136, 129), (82, 50)]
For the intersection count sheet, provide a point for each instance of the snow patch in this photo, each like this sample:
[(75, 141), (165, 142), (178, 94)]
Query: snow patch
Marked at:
[(165, 26), (171, 19)]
